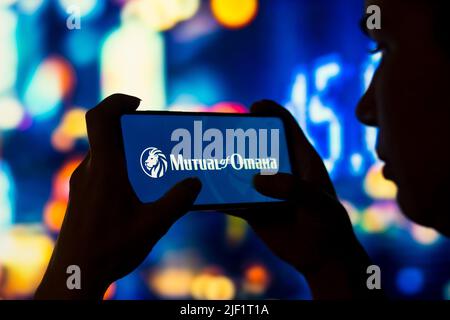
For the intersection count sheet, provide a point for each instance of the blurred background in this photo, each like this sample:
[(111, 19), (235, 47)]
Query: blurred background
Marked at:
[(58, 58)]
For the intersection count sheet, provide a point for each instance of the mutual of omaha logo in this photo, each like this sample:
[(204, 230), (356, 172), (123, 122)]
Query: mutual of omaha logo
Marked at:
[(153, 162)]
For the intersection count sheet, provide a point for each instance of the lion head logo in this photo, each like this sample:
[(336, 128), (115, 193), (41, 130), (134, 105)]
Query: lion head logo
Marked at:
[(153, 162)]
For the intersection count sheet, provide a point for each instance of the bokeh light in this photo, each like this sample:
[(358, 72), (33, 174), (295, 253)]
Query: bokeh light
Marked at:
[(2, 276), (60, 189), (160, 15), (53, 80), (71, 128), (24, 253), (110, 292), (352, 211), (172, 282), (234, 14), (410, 281), (85, 8), (30, 6), (236, 230), (8, 50), (257, 279), (11, 113), (54, 213), (219, 288), (86, 38), (447, 291), (5, 3), (212, 287), (376, 186), (143, 73), (423, 235), (228, 107), (6, 196), (378, 217)]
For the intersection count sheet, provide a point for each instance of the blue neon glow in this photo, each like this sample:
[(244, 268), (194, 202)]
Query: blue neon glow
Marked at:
[(316, 113), (410, 280), (6, 196)]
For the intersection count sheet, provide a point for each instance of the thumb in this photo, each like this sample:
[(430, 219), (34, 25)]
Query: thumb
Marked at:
[(286, 186), (278, 186), (177, 201)]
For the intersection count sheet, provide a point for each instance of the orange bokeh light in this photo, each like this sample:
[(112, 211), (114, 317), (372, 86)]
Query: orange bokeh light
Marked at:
[(110, 292), (61, 181), (54, 213)]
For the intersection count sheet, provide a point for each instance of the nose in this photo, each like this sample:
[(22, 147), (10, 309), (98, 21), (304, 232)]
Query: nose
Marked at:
[(366, 111)]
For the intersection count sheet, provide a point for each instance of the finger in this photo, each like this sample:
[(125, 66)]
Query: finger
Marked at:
[(285, 186), (175, 203), (306, 162), (279, 186), (103, 124)]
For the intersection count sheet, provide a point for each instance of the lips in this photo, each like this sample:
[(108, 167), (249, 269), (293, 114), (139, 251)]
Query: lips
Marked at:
[(387, 169)]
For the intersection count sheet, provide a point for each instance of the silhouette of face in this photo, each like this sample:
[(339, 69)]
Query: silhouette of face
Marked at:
[(409, 101), (151, 160)]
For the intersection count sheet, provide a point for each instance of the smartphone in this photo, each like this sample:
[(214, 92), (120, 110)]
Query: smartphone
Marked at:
[(223, 150)]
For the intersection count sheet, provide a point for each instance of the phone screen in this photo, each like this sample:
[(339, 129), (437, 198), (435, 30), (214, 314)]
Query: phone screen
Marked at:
[(224, 151)]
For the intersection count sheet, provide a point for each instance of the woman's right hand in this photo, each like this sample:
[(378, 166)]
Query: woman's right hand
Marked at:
[(310, 229)]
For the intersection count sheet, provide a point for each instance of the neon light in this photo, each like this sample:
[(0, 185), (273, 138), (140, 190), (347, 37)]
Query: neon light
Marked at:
[(410, 280), (7, 195), (143, 73), (307, 104), (8, 50), (326, 73), (370, 132), (52, 81)]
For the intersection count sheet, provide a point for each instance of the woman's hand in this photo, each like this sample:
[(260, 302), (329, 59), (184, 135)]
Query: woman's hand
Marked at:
[(107, 231), (310, 230)]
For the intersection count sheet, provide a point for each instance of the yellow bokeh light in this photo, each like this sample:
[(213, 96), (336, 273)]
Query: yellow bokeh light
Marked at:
[(376, 186), (236, 230), (377, 218), (172, 282), (234, 14), (160, 15), (187, 8), (423, 235), (352, 211), (11, 113), (24, 253), (212, 287), (198, 286), (143, 74), (74, 124), (220, 288), (72, 127)]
